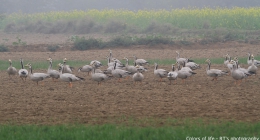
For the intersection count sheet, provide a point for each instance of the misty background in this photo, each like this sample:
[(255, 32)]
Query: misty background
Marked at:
[(35, 6)]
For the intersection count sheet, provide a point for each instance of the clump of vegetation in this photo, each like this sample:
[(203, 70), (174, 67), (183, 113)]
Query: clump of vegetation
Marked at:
[(80, 43), (19, 42), (53, 48), (3, 48), (85, 44), (120, 41), (185, 42), (154, 40)]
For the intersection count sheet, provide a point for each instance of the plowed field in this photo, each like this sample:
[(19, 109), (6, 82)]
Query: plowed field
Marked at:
[(86, 102)]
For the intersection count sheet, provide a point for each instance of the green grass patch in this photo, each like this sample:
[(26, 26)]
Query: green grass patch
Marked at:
[(76, 63), (175, 129)]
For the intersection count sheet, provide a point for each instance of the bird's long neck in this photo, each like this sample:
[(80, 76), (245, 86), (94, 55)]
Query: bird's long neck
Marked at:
[(209, 65), (31, 69), (178, 55), (127, 63), (10, 63), (249, 57), (94, 70), (253, 63), (237, 64), (156, 66), (22, 64), (179, 67), (108, 60), (172, 67), (115, 66), (61, 70), (110, 54), (50, 66)]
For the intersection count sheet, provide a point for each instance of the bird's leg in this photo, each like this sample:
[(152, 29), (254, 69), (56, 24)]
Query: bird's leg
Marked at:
[(70, 85), (239, 82)]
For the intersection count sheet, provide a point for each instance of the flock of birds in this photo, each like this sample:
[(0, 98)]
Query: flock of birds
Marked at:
[(182, 69)]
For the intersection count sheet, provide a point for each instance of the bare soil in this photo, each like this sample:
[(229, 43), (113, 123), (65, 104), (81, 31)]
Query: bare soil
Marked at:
[(86, 102)]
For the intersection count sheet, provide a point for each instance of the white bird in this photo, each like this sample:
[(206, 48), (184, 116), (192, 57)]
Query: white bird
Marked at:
[(112, 58), (68, 77), (138, 76), (130, 68), (249, 62), (192, 65), (54, 74), (244, 70), (119, 73), (184, 73), (229, 65), (99, 77), (227, 59), (23, 73), (253, 68), (184, 67), (237, 74), (181, 61), (97, 63), (161, 73), (140, 62), (36, 77), (141, 68), (66, 68), (11, 70), (112, 64), (256, 62), (172, 75), (215, 73), (86, 68)]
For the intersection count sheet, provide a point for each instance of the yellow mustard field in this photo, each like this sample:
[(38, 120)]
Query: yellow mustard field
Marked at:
[(235, 18)]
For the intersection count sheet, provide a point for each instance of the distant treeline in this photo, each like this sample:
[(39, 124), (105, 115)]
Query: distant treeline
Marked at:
[(32, 6)]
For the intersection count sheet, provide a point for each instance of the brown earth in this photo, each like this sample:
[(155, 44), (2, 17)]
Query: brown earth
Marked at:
[(85, 102)]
